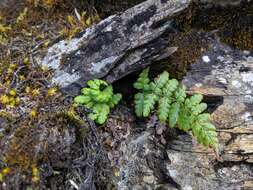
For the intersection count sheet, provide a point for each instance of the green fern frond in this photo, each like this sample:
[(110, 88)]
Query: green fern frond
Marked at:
[(159, 83), (174, 106), (139, 104), (144, 104), (149, 103), (173, 114), (163, 109), (170, 87), (99, 97), (115, 100), (206, 134), (142, 82)]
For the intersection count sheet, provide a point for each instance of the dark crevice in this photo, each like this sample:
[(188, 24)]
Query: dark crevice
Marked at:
[(213, 102), (225, 164)]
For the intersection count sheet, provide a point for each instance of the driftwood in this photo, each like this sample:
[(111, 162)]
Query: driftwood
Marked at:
[(114, 47)]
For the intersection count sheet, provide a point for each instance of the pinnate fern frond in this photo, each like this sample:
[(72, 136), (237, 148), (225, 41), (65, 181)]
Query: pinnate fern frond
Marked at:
[(174, 107), (159, 83), (149, 103), (173, 114), (163, 109), (142, 82), (144, 104)]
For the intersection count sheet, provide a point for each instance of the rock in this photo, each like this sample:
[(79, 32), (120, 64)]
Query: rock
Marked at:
[(234, 117)]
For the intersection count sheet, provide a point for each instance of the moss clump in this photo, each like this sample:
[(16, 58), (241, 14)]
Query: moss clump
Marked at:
[(42, 139), (186, 54), (234, 23)]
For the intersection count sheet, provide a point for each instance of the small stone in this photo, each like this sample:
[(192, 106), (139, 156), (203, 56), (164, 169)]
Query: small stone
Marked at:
[(220, 58), (222, 80), (198, 85), (247, 116), (246, 52), (149, 179), (187, 187), (206, 59), (236, 83), (247, 77)]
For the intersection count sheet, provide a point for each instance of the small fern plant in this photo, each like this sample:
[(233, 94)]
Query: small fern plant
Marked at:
[(98, 97), (174, 107)]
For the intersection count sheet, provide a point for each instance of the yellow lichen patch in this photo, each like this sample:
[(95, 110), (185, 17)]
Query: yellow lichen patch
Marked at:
[(22, 16), (35, 174), (4, 172), (76, 23), (51, 91)]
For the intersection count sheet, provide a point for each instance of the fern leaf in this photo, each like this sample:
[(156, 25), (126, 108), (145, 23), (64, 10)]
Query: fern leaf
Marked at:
[(173, 114), (101, 112), (86, 91), (82, 99), (163, 109), (197, 109), (149, 104), (99, 97), (115, 100), (180, 95), (204, 117), (94, 93), (206, 134), (174, 107), (96, 83), (89, 105), (159, 83), (144, 104), (142, 82), (193, 100), (104, 112), (170, 87), (139, 104), (185, 120), (105, 95)]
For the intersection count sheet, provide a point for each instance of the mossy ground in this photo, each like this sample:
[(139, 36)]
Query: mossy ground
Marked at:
[(29, 105)]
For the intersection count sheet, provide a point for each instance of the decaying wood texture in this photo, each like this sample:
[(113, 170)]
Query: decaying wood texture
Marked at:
[(114, 47)]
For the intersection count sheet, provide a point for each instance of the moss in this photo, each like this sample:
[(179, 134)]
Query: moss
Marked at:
[(30, 145), (186, 54), (234, 24)]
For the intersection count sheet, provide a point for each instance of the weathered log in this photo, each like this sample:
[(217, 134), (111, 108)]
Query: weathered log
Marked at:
[(114, 47)]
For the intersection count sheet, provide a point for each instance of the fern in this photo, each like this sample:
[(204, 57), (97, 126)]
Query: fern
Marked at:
[(99, 97), (174, 107)]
